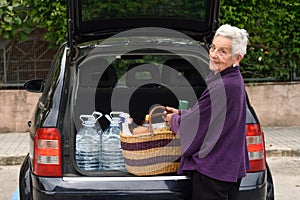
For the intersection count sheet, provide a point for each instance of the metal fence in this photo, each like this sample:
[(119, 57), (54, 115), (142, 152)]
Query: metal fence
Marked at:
[(22, 61), (294, 75)]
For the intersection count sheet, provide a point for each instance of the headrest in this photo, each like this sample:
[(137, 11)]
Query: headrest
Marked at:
[(96, 72), (180, 72), (140, 74), (109, 78)]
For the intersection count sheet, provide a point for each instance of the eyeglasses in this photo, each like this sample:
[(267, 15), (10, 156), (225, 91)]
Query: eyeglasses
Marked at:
[(219, 51)]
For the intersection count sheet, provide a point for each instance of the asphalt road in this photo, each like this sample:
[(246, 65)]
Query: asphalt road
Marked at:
[(285, 171)]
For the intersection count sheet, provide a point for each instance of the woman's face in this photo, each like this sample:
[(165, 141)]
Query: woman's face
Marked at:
[(220, 54)]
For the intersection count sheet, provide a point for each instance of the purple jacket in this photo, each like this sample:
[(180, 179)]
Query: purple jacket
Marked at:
[(212, 132)]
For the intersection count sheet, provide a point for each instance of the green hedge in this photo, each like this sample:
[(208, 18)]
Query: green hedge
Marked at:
[(274, 29), (273, 25)]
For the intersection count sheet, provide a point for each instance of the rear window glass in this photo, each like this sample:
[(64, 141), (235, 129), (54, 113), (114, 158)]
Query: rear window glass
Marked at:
[(93, 10)]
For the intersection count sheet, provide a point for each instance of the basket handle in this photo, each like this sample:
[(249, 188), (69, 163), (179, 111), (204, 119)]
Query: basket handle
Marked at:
[(151, 115)]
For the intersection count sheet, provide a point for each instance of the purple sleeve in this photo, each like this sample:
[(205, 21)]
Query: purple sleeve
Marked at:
[(176, 119), (175, 123), (191, 126)]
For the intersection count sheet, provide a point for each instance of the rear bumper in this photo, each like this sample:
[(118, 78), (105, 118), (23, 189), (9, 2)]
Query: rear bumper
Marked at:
[(254, 194), (145, 188), (254, 186), (150, 195)]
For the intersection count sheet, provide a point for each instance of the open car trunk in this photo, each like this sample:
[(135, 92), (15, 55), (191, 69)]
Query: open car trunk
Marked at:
[(134, 83)]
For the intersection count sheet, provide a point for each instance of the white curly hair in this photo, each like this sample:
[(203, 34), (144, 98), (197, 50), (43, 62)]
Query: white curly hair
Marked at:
[(237, 36)]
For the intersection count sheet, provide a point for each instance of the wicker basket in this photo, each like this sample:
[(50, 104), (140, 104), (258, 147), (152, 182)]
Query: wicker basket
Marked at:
[(153, 153)]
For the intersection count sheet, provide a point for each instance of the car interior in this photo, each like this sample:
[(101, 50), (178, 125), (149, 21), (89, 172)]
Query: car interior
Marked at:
[(163, 81)]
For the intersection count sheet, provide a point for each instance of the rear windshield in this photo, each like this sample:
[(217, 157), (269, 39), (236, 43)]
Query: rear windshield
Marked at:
[(111, 9)]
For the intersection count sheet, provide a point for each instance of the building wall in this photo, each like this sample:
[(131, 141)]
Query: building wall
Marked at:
[(275, 104), (16, 108)]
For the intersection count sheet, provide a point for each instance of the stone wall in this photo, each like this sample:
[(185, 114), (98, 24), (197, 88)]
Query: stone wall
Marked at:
[(16, 109), (275, 104)]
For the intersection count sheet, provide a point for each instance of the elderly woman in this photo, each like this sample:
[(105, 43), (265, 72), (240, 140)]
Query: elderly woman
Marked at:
[(212, 132)]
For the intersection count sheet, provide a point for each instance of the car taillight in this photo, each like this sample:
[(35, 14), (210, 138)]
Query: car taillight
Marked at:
[(47, 153), (256, 147)]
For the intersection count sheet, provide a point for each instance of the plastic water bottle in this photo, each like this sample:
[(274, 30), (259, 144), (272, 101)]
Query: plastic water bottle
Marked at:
[(88, 143), (126, 120), (112, 157)]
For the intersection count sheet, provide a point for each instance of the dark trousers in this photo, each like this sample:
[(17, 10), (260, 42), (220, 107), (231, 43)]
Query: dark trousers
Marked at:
[(206, 188)]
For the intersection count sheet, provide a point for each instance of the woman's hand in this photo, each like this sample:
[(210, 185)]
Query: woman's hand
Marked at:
[(168, 113), (169, 110)]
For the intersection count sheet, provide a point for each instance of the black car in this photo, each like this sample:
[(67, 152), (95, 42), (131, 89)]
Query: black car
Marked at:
[(125, 56)]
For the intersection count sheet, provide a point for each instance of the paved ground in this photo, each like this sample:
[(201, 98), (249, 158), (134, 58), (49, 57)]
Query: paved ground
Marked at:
[(280, 141), (13, 148)]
